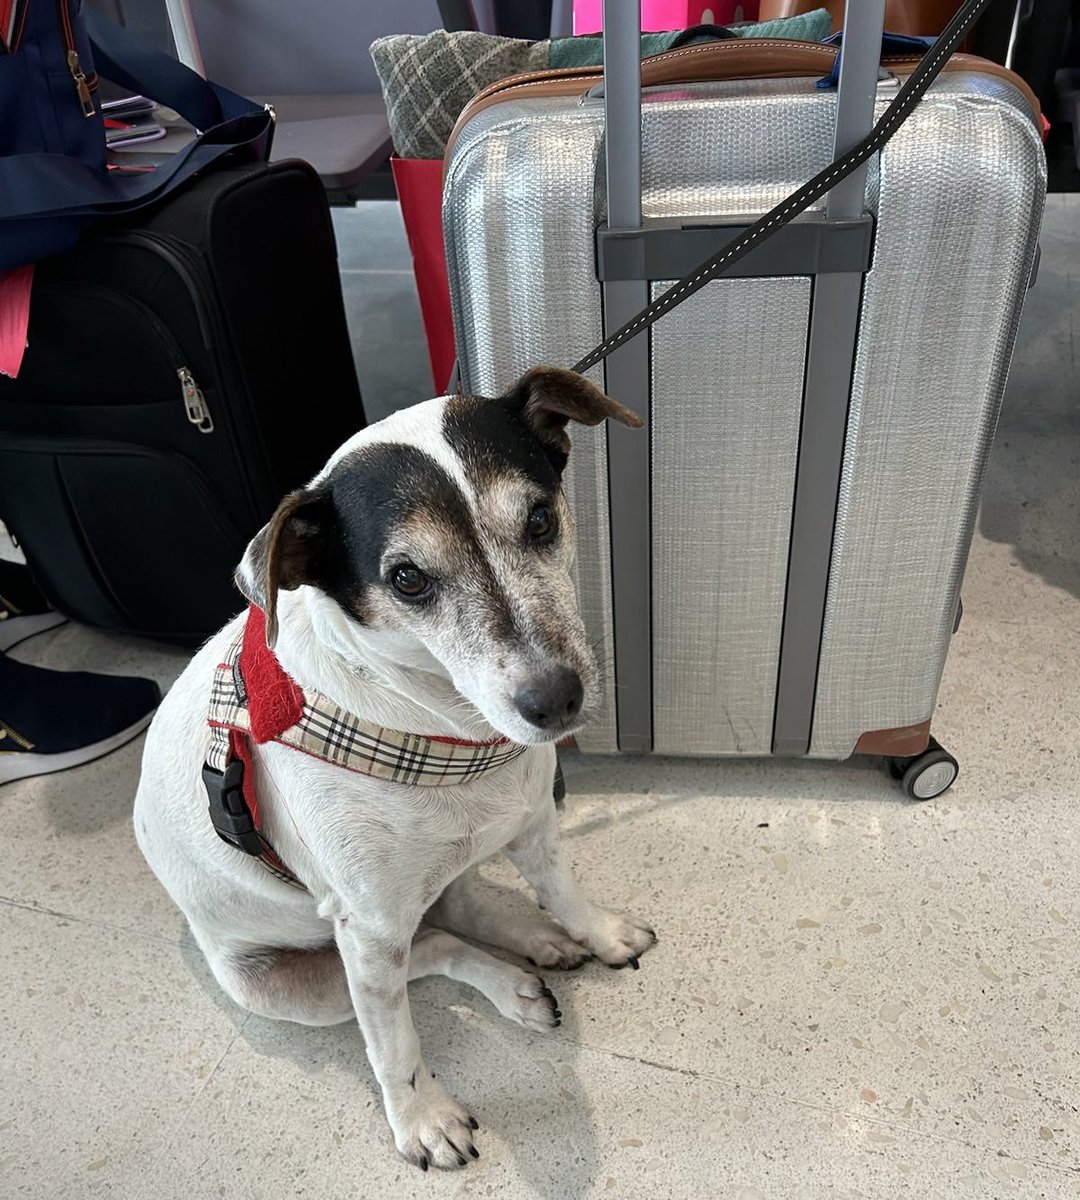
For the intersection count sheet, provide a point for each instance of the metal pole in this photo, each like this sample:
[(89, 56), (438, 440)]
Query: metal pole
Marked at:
[(860, 59), (184, 36), (627, 377), (622, 112), (834, 330)]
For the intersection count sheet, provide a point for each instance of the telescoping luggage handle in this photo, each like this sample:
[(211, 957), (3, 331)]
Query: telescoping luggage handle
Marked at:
[(833, 330), (622, 119)]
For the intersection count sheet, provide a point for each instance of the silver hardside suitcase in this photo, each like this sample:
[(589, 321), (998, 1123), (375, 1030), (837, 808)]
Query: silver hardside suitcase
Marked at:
[(774, 567)]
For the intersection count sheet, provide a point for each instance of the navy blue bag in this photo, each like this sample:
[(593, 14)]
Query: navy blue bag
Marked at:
[(54, 179)]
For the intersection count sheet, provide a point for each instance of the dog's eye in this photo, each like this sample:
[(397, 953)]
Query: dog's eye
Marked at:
[(410, 581), (541, 524)]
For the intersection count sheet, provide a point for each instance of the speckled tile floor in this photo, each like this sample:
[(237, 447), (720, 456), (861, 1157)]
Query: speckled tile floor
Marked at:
[(853, 996)]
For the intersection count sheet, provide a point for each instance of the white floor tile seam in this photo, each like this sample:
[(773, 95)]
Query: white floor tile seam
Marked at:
[(749, 1091), (171, 1132), (31, 906)]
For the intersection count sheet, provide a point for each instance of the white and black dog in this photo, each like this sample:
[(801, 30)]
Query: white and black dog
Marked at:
[(422, 583)]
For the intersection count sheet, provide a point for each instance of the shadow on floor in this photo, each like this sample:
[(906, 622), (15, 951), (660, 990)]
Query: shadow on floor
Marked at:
[(1031, 503), (504, 1073)]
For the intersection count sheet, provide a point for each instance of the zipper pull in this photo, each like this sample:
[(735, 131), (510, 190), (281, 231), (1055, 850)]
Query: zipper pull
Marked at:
[(81, 86), (195, 402)]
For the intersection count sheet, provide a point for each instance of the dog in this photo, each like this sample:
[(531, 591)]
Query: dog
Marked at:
[(421, 582)]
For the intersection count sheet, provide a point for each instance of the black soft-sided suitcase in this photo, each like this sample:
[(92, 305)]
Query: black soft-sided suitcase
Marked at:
[(183, 373)]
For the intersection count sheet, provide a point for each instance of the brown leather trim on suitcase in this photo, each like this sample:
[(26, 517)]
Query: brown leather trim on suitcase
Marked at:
[(745, 58), (901, 742)]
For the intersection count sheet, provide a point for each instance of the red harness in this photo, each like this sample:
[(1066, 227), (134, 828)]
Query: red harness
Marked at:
[(255, 700), (274, 702)]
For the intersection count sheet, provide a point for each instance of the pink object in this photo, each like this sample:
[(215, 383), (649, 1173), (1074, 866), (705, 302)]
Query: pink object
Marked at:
[(14, 317), (669, 14), (419, 188)]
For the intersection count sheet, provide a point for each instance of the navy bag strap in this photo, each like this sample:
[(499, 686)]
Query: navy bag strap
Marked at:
[(121, 59), (47, 199)]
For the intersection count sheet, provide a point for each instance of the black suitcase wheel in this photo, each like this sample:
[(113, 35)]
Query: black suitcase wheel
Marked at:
[(927, 775)]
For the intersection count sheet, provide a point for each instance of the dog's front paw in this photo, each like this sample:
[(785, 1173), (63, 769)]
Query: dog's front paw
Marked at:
[(617, 939), (432, 1129)]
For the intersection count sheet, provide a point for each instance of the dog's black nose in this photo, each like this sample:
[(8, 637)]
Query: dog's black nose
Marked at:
[(549, 702)]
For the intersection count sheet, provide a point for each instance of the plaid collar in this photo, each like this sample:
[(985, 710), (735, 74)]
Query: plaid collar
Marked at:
[(253, 696), (253, 700)]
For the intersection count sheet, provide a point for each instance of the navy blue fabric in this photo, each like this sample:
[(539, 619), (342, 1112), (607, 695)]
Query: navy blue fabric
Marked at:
[(891, 43), (39, 103), (53, 178), (61, 711)]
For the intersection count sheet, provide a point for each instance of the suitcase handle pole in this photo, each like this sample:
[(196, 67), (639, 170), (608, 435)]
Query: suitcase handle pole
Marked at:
[(622, 112), (825, 181), (864, 22), (625, 374), (860, 57)]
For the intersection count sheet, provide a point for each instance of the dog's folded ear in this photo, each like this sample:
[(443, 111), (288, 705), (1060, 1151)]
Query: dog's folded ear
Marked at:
[(549, 397), (285, 553)]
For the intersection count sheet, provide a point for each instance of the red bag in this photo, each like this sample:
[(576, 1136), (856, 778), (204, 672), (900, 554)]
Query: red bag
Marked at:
[(419, 188)]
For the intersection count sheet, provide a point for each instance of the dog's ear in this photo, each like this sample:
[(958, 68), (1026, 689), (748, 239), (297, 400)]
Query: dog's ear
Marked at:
[(548, 397), (285, 553)]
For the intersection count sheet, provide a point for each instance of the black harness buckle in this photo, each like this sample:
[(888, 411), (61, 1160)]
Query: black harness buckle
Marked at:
[(229, 812)]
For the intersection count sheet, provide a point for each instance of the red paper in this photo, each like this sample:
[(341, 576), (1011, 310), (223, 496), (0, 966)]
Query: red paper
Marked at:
[(7, 21), (14, 317), (419, 188)]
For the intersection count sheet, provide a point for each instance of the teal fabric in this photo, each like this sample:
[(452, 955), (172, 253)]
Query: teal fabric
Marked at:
[(588, 50), (807, 27)]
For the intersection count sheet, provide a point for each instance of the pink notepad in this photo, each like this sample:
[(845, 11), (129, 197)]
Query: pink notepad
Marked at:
[(14, 317)]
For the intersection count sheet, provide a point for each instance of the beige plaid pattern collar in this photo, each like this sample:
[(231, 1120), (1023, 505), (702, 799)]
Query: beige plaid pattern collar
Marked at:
[(327, 731)]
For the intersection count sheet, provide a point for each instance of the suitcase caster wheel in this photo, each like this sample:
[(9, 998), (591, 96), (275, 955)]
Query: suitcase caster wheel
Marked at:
[(926, 775), (558, 789)]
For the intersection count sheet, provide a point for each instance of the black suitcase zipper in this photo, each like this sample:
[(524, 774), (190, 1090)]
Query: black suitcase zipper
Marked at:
[(215, 339), (196, 408)]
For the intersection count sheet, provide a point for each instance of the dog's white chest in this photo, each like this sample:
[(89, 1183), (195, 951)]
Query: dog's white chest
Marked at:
[(358, 832)]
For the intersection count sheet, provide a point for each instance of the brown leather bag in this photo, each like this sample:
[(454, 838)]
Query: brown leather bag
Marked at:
[(921, 17)]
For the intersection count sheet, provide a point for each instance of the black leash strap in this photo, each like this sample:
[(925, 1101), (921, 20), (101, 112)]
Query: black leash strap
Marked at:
[(891, 120)]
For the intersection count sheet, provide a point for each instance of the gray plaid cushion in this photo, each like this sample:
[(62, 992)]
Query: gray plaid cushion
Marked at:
[(427, 79)]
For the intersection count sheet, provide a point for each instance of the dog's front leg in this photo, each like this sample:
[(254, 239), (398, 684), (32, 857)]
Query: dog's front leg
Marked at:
[(614, 937), (428, 1125)]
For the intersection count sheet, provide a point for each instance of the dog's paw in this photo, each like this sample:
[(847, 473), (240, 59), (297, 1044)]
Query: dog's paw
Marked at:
[(431, 1129), (528, 1000), (549, 945), (618, 939)]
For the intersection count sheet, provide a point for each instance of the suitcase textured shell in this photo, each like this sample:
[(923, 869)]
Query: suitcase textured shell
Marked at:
[(957, 197)]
